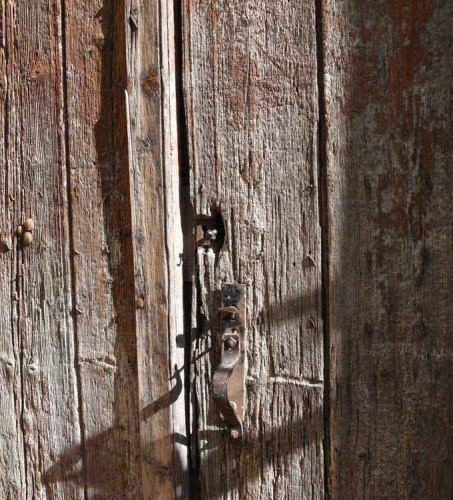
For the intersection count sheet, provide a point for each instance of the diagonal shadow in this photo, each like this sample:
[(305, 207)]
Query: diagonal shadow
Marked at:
[(262, 446), (260, 449)]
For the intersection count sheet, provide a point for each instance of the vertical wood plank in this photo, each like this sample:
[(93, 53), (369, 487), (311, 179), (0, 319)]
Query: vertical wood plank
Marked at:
[(38, 379), (250, 81), (158, 247), (388, 81), (102, 229), (103, 276), (12, 482)]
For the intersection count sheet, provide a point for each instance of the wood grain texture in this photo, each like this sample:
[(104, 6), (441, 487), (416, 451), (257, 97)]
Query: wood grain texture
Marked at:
[(252, 117), (158, 247), (69, 426), (38, 377), (103, 281), (388, 91)]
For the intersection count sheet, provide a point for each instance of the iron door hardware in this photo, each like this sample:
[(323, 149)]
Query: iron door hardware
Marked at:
[(229, 378)]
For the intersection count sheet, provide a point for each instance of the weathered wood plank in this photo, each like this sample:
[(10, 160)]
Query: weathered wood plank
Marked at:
[(38, 379), (12, 481), (157, 247), (250, 79), (103, 281), (388, 82)]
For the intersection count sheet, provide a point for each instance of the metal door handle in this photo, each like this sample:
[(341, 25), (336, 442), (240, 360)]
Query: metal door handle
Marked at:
[(229, 378)]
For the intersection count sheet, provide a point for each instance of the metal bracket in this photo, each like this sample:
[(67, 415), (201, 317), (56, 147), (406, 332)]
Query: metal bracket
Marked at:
[(229, 378)]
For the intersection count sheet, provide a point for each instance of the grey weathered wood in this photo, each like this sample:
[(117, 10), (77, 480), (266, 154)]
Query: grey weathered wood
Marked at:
[(39, 393), (252, 118), (388, 86), (157, 246)]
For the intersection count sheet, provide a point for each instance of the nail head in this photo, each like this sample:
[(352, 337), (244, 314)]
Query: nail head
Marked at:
[(234, 434), (27, 239), (28, 225)]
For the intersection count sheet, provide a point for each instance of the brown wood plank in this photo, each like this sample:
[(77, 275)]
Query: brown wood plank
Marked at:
[(103, 282), (158, 247), (250, 80), (388, 88), (39, 392)]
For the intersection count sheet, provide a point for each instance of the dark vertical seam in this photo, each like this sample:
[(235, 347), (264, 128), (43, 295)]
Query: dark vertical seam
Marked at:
[(323, 211), (186, 216), (72, 245)]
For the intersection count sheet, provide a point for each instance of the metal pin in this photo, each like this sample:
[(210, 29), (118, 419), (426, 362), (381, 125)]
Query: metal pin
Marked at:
[(235, 434)]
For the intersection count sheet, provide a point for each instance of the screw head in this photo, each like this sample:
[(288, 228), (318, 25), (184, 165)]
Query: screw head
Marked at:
[(231, 342)]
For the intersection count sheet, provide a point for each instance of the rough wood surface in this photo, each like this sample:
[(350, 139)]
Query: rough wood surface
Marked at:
[(388, 88), (252, 117), (98, 332), (69, 426), (103, 274), (39, 410), (158, 247)]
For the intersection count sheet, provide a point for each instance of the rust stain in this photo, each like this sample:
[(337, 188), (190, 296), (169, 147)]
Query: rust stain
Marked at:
[(150, 83), (388, 56)]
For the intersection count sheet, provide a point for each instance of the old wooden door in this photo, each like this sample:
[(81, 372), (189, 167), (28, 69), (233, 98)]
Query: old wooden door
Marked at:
[(315, 137)]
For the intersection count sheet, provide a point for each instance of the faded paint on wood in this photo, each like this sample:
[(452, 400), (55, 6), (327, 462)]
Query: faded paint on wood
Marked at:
[(250, 83), (388, 86)]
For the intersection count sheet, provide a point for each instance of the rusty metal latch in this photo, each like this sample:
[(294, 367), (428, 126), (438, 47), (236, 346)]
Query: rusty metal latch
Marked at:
[(229, 378)]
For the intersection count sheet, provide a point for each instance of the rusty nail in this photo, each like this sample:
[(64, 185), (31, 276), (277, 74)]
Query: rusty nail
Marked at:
[(139, 303), (27, 238), (28, 225), (229, 310)]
